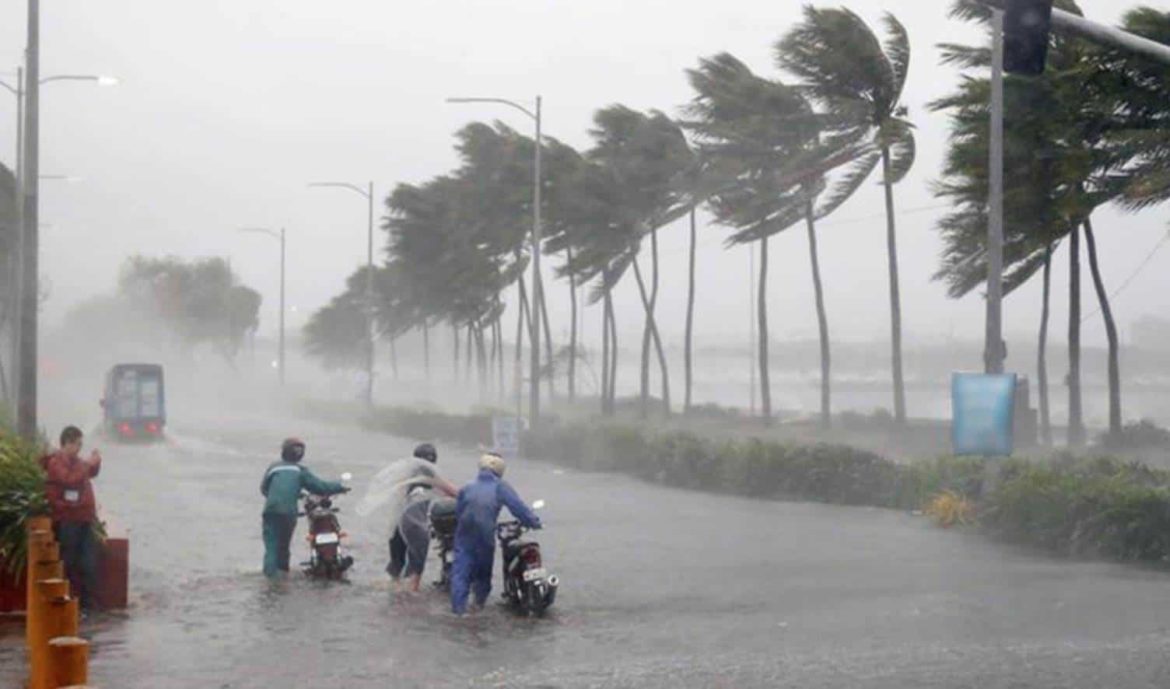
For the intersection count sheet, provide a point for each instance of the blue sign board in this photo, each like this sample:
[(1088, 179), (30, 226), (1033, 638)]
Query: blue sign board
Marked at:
[(983, 407)]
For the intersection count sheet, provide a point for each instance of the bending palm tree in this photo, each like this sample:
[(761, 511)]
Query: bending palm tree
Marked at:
[(858, 82)]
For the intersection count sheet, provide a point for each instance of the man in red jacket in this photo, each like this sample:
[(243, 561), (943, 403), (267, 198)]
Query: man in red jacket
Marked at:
[(70, 493)]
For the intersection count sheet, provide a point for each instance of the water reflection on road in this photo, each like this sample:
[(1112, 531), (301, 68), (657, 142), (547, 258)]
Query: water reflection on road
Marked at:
[(661, 588)]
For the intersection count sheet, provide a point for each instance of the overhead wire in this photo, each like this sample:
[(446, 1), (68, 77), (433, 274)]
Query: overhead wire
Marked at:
[(1134, 275)]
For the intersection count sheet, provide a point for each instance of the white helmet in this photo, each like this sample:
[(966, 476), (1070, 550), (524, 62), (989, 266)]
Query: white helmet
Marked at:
[(493, 462)]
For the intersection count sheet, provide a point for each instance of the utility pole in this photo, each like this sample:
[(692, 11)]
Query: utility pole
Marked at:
[(282, 307), (29, 270), (993, 348), (537, 287), (370, 311)]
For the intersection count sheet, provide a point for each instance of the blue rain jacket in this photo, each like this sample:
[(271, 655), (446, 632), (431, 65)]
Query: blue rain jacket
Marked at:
[(478, 508)]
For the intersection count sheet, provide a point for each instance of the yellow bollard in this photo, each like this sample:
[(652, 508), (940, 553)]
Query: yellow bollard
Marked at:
[(43, 563), (69, 656), (49, 590), (43, 523), (41, 549)]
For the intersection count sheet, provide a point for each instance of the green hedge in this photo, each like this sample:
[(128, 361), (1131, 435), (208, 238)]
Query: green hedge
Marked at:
[(1085, 507), (1081, 507)]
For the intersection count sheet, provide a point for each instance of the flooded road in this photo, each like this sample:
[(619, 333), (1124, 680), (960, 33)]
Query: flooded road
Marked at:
[(661, 588)]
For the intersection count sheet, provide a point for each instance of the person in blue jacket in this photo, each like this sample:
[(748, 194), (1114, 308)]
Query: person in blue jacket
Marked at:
[(281, 488), (476, 511)]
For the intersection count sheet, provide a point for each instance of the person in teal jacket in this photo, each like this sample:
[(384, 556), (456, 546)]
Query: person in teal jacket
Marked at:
[(281, 487)]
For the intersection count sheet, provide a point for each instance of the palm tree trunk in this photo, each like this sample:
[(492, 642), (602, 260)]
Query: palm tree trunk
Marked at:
[(690, 330), (646, 336), (1110, 332), (517, 371), (470, 339), (548, 348), (822, 319), (481, 359), (394, 356), (762, 315), (455, 346), (895, 297), (1042, 353), (613, 352), (653, 323), (605, 364), (1076, 421), (498, 326), (426, 332), (572, 327)]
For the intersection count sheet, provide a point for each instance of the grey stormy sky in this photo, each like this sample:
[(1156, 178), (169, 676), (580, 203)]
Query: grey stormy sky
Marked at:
[(227, 108)]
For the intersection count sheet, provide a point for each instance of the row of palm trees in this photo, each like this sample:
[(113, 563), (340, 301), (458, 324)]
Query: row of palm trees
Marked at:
[(763, 154)]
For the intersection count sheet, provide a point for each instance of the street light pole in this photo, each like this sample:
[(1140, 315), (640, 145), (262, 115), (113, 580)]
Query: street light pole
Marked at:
[(280, 237), (537, 287), (993, 348), (27, 395), (27, 279), (370, 310), (282, 306)]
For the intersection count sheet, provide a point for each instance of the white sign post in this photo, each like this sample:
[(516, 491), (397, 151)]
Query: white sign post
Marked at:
[(506, 435)]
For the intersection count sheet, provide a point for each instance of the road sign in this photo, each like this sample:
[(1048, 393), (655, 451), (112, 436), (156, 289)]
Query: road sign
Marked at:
[(506, 435), (983, 407)]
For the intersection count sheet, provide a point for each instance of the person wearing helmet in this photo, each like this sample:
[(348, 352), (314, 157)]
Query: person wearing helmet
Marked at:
[(411, 538), (476, 512), (281, 487)]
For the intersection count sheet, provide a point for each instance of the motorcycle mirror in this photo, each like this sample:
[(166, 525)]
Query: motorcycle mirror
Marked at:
[(538, 505), (346, 476)]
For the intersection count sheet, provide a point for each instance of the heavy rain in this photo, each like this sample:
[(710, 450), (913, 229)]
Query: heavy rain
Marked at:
[(610, 344)]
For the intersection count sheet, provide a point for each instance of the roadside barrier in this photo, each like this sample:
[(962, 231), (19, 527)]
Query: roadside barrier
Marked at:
[(57, 657)]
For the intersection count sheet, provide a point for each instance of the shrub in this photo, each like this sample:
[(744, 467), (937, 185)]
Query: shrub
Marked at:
[(1100, 507), (1143, 435), (22, 495)]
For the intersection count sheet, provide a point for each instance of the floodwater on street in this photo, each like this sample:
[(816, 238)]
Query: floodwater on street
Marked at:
[(660, 588)]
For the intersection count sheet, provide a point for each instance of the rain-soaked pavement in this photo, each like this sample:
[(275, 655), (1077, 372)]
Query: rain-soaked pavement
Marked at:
[(661, 588)]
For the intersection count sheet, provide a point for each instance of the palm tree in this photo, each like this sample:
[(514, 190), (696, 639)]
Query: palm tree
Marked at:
[(858, 81), (643, 154), (754, 136), (1058, 170)]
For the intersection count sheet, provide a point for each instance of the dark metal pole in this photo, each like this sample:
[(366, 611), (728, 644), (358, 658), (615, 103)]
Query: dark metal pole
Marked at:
[(537, 291), (370, 301), (14, 261), (27, 398), (281, 360)]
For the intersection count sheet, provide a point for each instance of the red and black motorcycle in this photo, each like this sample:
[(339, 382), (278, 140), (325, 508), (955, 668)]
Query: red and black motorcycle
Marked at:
[(528, 586), (327, 558)]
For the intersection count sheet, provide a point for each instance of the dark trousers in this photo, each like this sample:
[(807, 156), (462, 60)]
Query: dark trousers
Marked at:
[(278, 532), (79, 553)]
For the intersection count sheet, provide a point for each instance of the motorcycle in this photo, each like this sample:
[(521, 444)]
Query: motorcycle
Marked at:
[(528, 586), (442, 519), (327, 560)]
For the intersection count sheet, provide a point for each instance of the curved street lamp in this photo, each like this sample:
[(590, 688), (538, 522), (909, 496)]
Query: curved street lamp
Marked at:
[(368, 194), (278, 236)]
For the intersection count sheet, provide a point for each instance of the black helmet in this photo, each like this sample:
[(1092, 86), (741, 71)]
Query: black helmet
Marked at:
[(292, 450), (427, 451)]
